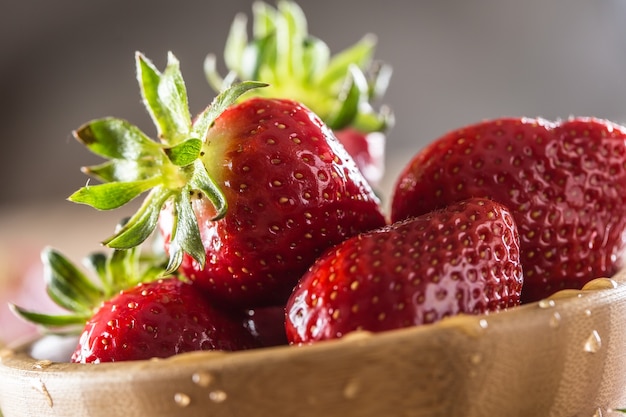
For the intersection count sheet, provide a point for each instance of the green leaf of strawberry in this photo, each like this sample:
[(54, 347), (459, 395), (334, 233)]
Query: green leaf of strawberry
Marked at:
[(184, 153), (166, 98), (171, 169), (299, 66), (70, 288)]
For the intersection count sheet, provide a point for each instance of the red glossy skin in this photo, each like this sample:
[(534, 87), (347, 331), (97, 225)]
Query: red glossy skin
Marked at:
[(292, 192), (367, 150), (157, 320), (464, 259), (565, 183)]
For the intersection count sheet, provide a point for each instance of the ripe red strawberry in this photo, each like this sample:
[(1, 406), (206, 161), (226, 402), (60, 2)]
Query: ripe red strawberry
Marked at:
[(253, 192), (565, 183), (341, 89), (129, 314), (462, 259), (157, 320), (367, 150)]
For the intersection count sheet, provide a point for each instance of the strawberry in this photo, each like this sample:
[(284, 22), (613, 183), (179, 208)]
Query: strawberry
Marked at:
[(341, 89), (367, 150), (461, 259), (246, 195), (564, 181), (157, 320), (131, 313)]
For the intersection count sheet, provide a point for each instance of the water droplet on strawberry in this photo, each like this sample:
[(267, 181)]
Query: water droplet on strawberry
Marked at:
[(182, 400), (593, 342)]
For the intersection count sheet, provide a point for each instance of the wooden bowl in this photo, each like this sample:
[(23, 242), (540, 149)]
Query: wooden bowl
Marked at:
[(563, 356)]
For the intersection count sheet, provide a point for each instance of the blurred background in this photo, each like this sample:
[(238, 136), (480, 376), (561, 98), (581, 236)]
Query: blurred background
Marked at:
[(65, 62)]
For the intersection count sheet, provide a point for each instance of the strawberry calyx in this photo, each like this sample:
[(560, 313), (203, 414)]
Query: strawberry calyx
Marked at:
[(339, 88), (170, 169), (80, 295)]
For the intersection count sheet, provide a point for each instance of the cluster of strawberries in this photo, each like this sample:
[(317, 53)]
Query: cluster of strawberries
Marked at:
[(272, 233)]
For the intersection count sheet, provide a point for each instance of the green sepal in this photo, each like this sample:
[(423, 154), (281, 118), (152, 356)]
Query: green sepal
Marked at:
[(171, 169), (300, 67), (357, 55), (97, 262), (111, 195), (315, 57), (116, 139), (185, 236), (220, 103), (122, 268), (185, 152), (75, 292), (202, 182), (165, 97), (236, 42), (67, 286), (291, 31), (141, 225), (352, 96), (122, 170), (50, 320)]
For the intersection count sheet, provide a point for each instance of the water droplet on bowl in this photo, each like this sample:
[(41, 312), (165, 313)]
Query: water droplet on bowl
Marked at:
[(555, 320), (465, 323), (351, 390), (6, 353), (218, 396), (546, 303), (593, 342), (203, 379), (42, 364), (568, 293), (476, 358), (600, 284), (182, 400)]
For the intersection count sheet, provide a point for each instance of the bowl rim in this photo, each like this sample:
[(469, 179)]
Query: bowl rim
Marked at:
[(454, 341)]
